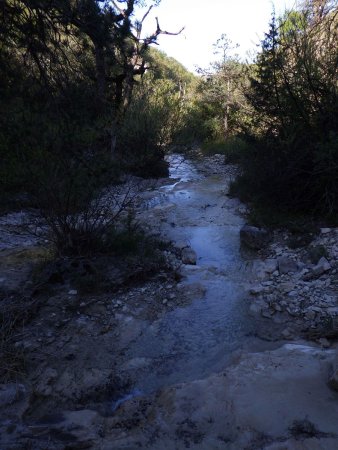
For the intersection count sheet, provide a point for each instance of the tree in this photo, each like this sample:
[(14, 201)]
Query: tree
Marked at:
[(221, 87), (294, 97)]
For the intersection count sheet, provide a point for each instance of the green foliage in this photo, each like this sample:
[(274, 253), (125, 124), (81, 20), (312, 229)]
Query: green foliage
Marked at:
[(317, 252), (150, 126), (233, 149), (293, 160), (78, 109)]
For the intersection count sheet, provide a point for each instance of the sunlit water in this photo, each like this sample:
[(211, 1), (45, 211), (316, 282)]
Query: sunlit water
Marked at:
[(197, 340)]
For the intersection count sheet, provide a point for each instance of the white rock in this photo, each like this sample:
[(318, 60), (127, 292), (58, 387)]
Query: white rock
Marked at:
[(72, 292), (325, 230)]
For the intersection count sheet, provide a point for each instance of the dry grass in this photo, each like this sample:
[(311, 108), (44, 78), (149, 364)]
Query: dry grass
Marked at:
[(14, 313)]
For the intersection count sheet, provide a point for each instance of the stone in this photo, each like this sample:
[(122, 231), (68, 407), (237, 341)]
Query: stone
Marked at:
[(267, 313), (254, 238), (189, 256), (180, 245), (287, 333), (322, 267), (271, 265), (287, 265), (287, 287), (72, 292), (309, 314), (256, 290), (252, 404), (323, 342), (11, 393), (164, 208), (256, 307), (333, 310), (325, 230)]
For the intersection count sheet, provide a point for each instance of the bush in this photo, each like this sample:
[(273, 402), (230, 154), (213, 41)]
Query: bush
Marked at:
[(233, 149), (291, 165), (80, 213), (148, 129)]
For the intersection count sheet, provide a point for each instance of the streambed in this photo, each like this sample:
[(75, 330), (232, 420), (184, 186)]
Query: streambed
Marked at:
[(196, 340)]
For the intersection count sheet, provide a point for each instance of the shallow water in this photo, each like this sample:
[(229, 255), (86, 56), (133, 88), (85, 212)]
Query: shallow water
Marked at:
[(194, 341)]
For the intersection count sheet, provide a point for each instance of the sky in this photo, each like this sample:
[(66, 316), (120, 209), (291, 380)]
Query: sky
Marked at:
[(243, 21)]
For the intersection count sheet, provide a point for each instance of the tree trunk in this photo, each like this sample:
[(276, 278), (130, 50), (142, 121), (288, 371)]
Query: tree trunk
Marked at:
[(100, 72), (226, 121)]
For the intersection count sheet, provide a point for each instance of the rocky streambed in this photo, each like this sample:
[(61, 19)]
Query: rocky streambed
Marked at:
[(222, 347)]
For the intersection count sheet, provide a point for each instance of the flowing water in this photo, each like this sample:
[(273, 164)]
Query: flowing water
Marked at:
[(194, 341)]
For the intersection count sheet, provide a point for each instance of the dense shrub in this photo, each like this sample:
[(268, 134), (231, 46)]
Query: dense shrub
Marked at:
[(293, 157)]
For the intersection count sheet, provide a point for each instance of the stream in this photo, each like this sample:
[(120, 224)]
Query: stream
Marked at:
[(194, 341)]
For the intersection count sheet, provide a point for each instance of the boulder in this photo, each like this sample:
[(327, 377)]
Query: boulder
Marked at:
[(180, 245), (287, 265), (189, 256), (254, 238), (270, 265), (322, 267)]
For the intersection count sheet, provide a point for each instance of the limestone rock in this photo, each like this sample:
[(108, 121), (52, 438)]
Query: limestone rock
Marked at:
[(287, 265), (322, 267), (256, 289), (189, 256), (180, 245), (254, 238), (271, 265)]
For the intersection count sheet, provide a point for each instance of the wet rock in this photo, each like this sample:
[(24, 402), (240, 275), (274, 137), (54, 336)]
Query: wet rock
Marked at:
[(165, 208), (180, 245), (287, 265), (192, 291), (256, 307), (189, 256), (256, 290), (289, 381), (254, 238)]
